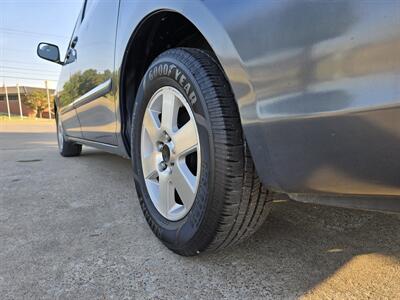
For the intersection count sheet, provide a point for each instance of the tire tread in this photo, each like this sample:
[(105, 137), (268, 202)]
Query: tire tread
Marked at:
[(246, 202)]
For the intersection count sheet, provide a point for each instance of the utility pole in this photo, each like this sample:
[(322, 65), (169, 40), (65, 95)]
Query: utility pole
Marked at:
[(19, 101), (8, 103), (48, 98)]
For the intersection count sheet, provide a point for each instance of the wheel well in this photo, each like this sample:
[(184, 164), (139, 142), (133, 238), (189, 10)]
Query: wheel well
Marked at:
[(157, 33)]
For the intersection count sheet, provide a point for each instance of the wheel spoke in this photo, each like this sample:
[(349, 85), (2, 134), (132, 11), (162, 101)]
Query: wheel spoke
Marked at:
[(151, 126), (185, 139), (149, 165), (169, 112), (184, 183), (167, 194)]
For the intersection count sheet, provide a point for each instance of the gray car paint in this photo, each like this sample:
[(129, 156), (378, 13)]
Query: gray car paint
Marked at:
[(316, 82)]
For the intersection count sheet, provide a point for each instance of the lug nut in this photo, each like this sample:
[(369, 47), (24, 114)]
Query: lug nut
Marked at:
[(162, 166), (160, 145)]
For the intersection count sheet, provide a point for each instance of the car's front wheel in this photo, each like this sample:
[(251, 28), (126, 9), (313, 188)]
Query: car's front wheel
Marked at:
[(65, 147), (195, 178)]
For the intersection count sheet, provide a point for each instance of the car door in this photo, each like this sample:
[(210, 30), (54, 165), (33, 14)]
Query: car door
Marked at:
[(66, 93), (93, 68)]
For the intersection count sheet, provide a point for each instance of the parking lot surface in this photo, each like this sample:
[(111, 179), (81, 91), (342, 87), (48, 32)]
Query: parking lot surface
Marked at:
[(72, 228)]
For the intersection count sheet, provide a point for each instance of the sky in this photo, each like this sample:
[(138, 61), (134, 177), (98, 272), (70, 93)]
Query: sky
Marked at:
[(24, 24)]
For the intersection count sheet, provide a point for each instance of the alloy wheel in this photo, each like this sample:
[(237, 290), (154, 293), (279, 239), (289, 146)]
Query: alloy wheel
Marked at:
[(170, 153)]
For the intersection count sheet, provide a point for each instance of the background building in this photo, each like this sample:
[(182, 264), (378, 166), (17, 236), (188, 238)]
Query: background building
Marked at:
[(14, 104)]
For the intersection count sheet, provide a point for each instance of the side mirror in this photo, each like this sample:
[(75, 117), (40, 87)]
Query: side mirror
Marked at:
[(49, 52)]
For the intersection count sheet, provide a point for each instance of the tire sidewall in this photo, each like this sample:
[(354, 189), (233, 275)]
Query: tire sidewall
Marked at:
[(168, 71)]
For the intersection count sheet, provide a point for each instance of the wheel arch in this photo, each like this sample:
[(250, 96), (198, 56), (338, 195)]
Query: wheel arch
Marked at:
[(163, 29), (156, 33)]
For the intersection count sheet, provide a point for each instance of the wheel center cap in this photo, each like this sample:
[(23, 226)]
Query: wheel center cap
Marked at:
[(166, 153)]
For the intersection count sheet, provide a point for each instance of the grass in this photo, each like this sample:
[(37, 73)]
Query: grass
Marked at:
[(4, 117)]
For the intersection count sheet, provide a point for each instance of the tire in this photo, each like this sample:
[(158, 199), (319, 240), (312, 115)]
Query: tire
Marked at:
[(65, 147), (230, 202)]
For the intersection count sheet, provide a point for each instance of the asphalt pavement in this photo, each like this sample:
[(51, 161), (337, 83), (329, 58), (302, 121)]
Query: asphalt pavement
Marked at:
[(72, 228)]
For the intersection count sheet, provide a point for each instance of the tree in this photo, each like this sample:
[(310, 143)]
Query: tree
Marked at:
[(37, 100), (81, 83)]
